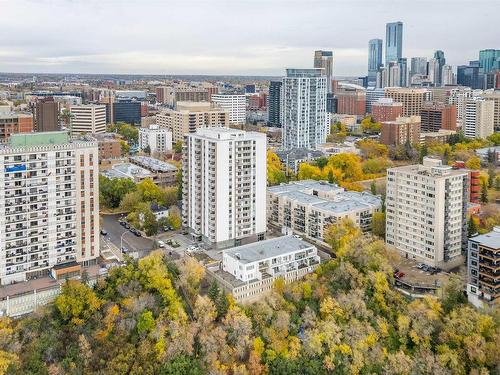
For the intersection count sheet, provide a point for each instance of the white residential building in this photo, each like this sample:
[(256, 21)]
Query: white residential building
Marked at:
[(458, 96), (49, 205), (249, 271), (479, 118), (303, 108), (156, 138), (309, 207), (88, 118), (494, 96), (426, 211), (235, 104), (224, 185)]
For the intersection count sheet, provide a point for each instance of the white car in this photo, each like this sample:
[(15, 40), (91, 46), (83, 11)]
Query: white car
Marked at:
[(161, 244)]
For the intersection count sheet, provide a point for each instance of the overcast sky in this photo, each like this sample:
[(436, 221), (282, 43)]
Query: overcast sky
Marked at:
[(254, 37)]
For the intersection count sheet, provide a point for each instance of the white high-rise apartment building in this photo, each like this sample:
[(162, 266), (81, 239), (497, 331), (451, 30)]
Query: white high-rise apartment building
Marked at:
[(447, 75), (426, 212), (479, 118), (458, 96), (49, 205), (235, 104), (156, 138), (224, 185), (303, 108), (88, 118), (494, 96)]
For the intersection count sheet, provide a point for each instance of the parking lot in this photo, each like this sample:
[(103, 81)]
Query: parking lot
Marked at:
[(417, 276)]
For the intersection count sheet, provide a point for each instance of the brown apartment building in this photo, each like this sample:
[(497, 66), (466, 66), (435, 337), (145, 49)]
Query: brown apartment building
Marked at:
[(412, 99), (351, 100), (109, 146), (47, 115), (15, 122), (386, 109), (401, 131), (436, 116)]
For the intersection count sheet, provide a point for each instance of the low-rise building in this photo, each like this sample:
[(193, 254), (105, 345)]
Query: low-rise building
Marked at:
[(329, 149), (155, 138), (440, 136), (403, 130), (292, 158), (308, 207), (483, 268), (489, 154), (109, 146), (248, 271), (15, 122)]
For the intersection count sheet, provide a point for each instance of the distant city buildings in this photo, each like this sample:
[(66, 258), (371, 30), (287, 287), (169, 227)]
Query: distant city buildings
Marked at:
[(46, 112), (274, 103), (489, 59), (374, 60), (437, 115), (308, 207), (324, 60), (386, 109), (426, 212), (303, 108), (49, 216), (155, 138), (351, 99), (224, 186), (412, 99), (234, 104), (88, 118)]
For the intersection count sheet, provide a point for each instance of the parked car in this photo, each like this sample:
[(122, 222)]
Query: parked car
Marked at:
[(103, 232), (161, 244), (399, 275), (420, 266), (127, 225), (124, 250)]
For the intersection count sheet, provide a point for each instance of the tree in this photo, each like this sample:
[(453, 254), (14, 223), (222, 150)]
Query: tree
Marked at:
[(130, 201), (124, 146), (495, 139), (113, 190), (174, 217), (484, 192), (454, 294), (275, 169), (349, 164), (423, 153), (182, 365), (146, 322), (76, 303), (496, 183), (338, 235), (191, 275), (147, 150), (491, 177), (372, 149), (473, 163), (378, 224), (472, 226), (373, 187), (178, 147)]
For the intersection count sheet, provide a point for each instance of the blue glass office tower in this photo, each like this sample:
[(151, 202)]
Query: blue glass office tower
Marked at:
[(393, 42), (274, 104), (489, 59), (374, 60), (126, 110), (439, 56)]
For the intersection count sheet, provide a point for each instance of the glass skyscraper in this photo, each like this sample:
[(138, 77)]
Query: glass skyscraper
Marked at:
[(374, 59), (489, 59), (393, 42)]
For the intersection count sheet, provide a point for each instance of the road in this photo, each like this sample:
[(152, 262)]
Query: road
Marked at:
[(115, 231)]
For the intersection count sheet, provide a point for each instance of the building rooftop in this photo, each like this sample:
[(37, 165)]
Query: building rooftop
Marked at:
[(14, 114), (431, 167), (153, 164), (491, 239), (127, 170), (266, 249)]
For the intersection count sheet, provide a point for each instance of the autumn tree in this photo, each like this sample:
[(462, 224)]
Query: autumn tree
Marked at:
[(275, 169), (378, 224), (76, 303)]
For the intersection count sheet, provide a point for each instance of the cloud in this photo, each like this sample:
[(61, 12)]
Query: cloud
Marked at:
[(230, 37)]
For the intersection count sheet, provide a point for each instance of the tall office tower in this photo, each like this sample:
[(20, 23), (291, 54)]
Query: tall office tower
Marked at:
[(124, 110), (458, 96), (439, 56), (435, 116), (190, 116), (494, 95), (479, 118), (14, 122), (403, 72), (426, 208), (489, 59), (235, 104), (374, 60), (46, 115), (324, 60), (88, 118), (394, 77), (412, 99), (383, 77), (469, 75), (418, 66), (447, 75), (161, 94), (433, 72), (303, 108), (49, 213), (372, 96), (403, 130), (393, 42), (156, 138), (274, 101), (483, 286), (224, 177)]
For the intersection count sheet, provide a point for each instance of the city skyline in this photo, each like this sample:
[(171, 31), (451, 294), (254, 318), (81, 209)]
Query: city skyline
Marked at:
[(96, 37)]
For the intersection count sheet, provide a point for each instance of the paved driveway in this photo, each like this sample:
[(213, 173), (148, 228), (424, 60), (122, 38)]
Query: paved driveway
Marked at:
[(115, 231)]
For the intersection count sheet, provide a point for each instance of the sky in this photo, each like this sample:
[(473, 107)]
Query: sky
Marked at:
[(240, 37)]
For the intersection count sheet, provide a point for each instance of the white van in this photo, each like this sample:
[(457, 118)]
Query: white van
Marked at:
[(161, 244)]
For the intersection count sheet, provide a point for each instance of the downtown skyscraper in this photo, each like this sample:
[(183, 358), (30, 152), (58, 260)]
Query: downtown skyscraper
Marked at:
[(303, 108), (374, 60), (393, 42), (324, 60)]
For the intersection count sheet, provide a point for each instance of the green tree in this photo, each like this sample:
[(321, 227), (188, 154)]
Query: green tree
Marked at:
[(472, 226), (214, 291), (484, 192), (146, 322), (491, 177), (378, 224), (423, 153), (124, 146), (178, 147), (76, 303), (182, 365), (453, 294), (373, 187)]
